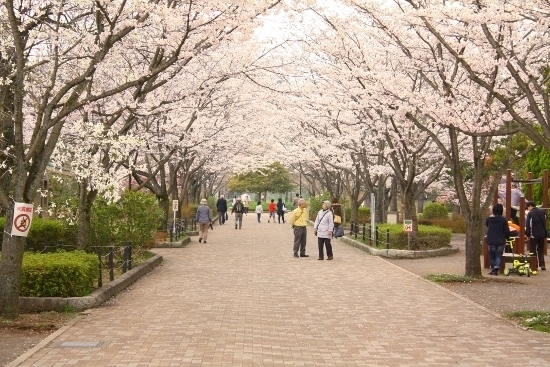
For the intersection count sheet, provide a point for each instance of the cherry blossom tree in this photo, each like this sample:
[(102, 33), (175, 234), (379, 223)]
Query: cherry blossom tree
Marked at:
[(61, 59)]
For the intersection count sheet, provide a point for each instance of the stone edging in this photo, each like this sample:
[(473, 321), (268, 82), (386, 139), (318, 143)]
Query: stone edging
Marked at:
[(97, 297), (179, 244), (400, 254)]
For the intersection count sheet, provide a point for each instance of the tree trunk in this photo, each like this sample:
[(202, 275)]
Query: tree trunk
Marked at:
[(473, 244), (85, 201), (10, 269)]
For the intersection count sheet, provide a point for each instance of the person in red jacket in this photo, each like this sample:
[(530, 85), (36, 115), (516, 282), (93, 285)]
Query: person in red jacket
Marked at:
[(272, 209)]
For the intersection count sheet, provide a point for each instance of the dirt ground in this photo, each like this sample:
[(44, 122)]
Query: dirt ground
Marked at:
[(20, 335), (499, 294)]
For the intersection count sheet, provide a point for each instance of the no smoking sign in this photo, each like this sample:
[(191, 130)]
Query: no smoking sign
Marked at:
[(22, 218)]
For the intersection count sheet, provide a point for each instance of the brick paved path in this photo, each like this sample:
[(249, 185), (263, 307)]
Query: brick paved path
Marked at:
[(243, 300)]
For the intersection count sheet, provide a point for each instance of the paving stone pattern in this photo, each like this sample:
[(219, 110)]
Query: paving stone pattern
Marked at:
[(242, 299)]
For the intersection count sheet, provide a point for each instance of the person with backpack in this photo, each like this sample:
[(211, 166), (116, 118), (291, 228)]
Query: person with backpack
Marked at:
[(535, 229), (238, 209)]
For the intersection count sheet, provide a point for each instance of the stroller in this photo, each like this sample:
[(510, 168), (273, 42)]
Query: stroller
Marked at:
[(520, 263)]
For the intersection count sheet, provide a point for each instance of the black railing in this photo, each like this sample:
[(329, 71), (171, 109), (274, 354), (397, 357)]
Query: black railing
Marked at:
[(180, 228), (107, 256), (380, 239)]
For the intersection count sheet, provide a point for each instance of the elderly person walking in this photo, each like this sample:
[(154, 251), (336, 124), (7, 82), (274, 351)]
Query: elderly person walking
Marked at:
[(204, 219), (324, 224), (298, 222)]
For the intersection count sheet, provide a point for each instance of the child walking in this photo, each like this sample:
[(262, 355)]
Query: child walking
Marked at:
[(497, 234), (272, 209), (259, 210)]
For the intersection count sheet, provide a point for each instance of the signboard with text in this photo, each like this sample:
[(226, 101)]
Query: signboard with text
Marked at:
[(22, 218), (408, 225)]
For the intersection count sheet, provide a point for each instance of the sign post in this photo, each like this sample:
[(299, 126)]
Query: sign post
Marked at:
[(408, 227), (22, 218), (174, 210)]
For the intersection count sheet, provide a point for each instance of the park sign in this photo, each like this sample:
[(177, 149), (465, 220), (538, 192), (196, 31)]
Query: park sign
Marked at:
[(408, 225), (22, 217)]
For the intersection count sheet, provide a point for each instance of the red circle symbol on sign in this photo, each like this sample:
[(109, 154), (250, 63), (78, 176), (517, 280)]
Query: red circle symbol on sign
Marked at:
[(22, 222)]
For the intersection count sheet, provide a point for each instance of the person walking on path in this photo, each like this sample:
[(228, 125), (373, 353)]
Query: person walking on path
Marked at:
[(298, 222), (535, 229), (238, 209), (497, 234), (221, 206), (272, 209), (324, 223), (336, 210), (246, 203), (280, 210), (259, 210), (295, 201), (204, 219)]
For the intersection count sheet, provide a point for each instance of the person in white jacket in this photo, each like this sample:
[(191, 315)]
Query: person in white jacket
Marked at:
[(324, 224)]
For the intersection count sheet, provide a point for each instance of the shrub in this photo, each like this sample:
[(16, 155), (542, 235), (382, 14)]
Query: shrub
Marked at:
[(43, 232), (456, 225), (315, 204), (363, 214), (435, 211), (59, 274), (189, 211), (428, 237), (142, 216), (134, 218)]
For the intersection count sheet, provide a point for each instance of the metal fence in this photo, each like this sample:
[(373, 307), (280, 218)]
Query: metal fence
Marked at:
[(112, 258), (376, 238), (180, 227)]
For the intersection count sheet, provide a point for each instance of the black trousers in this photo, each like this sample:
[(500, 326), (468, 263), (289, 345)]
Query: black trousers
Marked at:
[(322, 243), (536, 246)]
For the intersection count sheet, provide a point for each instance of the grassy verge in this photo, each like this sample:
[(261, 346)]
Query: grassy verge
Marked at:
[(450, 278), (534, 320)]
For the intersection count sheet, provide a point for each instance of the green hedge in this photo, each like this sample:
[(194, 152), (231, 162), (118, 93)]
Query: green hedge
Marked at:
[(58, 274), (429, 237), (44, 232), (435, 211), (456, 225)]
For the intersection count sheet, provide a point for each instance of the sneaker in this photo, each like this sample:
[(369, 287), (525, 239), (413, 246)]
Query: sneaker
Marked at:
[(200, 239), (543, 268), (204, 241), (235, 227), (296, 255)]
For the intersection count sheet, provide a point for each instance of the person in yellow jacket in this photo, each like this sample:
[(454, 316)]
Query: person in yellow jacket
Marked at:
[(298, 222)]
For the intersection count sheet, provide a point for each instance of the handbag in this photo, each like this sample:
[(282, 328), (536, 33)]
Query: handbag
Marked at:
[(337, 219), (338, 231)]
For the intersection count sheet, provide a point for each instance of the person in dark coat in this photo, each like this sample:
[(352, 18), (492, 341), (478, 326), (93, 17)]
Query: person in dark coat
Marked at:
[(280, 210), (497, 234), (221, 206), (535, 229)]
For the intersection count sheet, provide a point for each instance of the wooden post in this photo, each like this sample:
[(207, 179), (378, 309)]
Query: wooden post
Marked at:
[(508, 194)]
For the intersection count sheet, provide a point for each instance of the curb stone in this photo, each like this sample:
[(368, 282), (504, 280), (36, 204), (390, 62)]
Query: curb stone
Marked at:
[(400, 254)]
